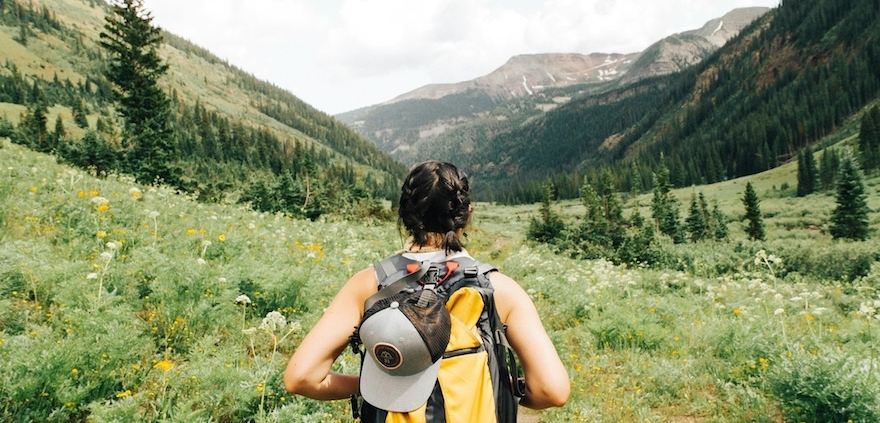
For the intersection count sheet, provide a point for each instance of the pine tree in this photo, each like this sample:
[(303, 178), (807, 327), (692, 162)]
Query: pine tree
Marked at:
[(755, 228), (719, 221), (807, 173), (549, 227), (135, 69), (849, 220), (664, 206), (696, 223), (830, 163)]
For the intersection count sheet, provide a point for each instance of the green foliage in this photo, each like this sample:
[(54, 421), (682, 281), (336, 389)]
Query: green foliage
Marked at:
[(697, 220), (807, 174), (829, 168), (825, 386), (869, 140), (135, 69), (849, 220), (664, 206), (550, 226), (754, 220)]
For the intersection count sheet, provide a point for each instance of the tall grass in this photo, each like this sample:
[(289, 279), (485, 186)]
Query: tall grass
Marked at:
[(121, 302)]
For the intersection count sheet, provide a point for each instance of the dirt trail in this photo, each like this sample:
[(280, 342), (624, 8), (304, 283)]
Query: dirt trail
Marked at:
[(527, 416)]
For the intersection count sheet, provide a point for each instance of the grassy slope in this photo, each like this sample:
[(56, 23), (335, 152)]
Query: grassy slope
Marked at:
[(193, 77), (156, 333)]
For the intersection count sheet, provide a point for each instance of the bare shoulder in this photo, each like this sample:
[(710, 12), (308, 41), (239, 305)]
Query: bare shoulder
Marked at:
[(509, 295)]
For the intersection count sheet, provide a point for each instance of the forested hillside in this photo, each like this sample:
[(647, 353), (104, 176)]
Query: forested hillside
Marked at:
[(236, 138), (791, 78)]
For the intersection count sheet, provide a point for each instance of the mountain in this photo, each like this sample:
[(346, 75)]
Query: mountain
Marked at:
[(529, 85), (240, 138), (794, 78)]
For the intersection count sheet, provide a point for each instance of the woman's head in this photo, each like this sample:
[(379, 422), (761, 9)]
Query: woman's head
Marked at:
[(435, 202)]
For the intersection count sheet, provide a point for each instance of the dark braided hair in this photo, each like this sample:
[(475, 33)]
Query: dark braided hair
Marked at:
[(435, 199)]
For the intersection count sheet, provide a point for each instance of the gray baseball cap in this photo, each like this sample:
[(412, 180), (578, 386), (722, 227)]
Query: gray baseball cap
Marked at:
[(404, 337)]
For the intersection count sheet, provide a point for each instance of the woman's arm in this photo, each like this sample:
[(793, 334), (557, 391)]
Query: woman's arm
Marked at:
[(308, 371), (547, 383)]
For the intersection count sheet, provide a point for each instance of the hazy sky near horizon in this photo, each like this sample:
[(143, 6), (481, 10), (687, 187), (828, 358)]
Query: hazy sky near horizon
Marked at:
[(340, 55)]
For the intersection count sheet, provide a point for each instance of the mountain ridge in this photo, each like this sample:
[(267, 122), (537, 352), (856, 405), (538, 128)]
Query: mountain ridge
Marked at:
[(540, 82)]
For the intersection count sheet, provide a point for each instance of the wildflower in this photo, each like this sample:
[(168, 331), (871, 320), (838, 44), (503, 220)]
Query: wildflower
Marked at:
[(74, 371), (165, 365), (243, 299), (221, 279), (249, 331), (295, 327), (92, 276), (123, 394), (101, 234), (135, 192), (206, 243), (778, 311), (201, 261), (106, 256), (737, 312), (273, 321), (221, 237), (190, 231), (111, 246)]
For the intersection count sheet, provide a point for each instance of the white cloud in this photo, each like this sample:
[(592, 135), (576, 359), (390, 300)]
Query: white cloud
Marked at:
[(342, 54)]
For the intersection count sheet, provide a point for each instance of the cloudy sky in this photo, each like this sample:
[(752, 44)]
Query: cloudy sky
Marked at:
[(339, 55)]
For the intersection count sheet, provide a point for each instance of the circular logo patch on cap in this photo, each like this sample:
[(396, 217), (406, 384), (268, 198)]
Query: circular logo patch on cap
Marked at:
[(387, 355)]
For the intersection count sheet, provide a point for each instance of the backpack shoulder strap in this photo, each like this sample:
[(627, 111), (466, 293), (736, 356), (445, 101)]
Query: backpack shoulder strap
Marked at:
[(395, 266)]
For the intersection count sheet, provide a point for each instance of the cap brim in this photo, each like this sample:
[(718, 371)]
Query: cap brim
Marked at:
[(400, 394)]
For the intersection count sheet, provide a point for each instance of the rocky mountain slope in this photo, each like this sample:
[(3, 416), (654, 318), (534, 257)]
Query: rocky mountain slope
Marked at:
[(536, 83)]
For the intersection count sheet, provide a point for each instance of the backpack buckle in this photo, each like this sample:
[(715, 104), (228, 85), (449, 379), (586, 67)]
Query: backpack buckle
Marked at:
[(471, 272)]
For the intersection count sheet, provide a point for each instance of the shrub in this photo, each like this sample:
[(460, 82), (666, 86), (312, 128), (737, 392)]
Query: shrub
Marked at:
[(828, 386)]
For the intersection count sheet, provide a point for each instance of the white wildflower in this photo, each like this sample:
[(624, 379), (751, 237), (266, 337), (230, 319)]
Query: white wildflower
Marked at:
[(778, 311), (249, 331), (295, 327), (273, 321), (206, 243), (100, 200), (154, 214), (111, 246), (92, 276), (221, 279), (201, 261), (106, 256), (243, 299)]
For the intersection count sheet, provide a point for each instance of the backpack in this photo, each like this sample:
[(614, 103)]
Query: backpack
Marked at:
[(479, 380)]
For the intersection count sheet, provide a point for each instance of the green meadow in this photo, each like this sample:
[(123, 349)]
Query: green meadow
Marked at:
[(121, 302)]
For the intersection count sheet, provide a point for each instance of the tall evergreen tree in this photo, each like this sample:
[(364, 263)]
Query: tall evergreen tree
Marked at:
[(697, 226), (849, 220), (755, 226), (719, 221), (829, 165), (550, 226), (135, 69), (664, 206), (807, 175)]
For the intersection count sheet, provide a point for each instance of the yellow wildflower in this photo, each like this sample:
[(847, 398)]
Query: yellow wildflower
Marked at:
[(165, 365)]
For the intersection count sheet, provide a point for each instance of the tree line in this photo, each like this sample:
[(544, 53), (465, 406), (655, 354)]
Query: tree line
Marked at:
[(158, 137)]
